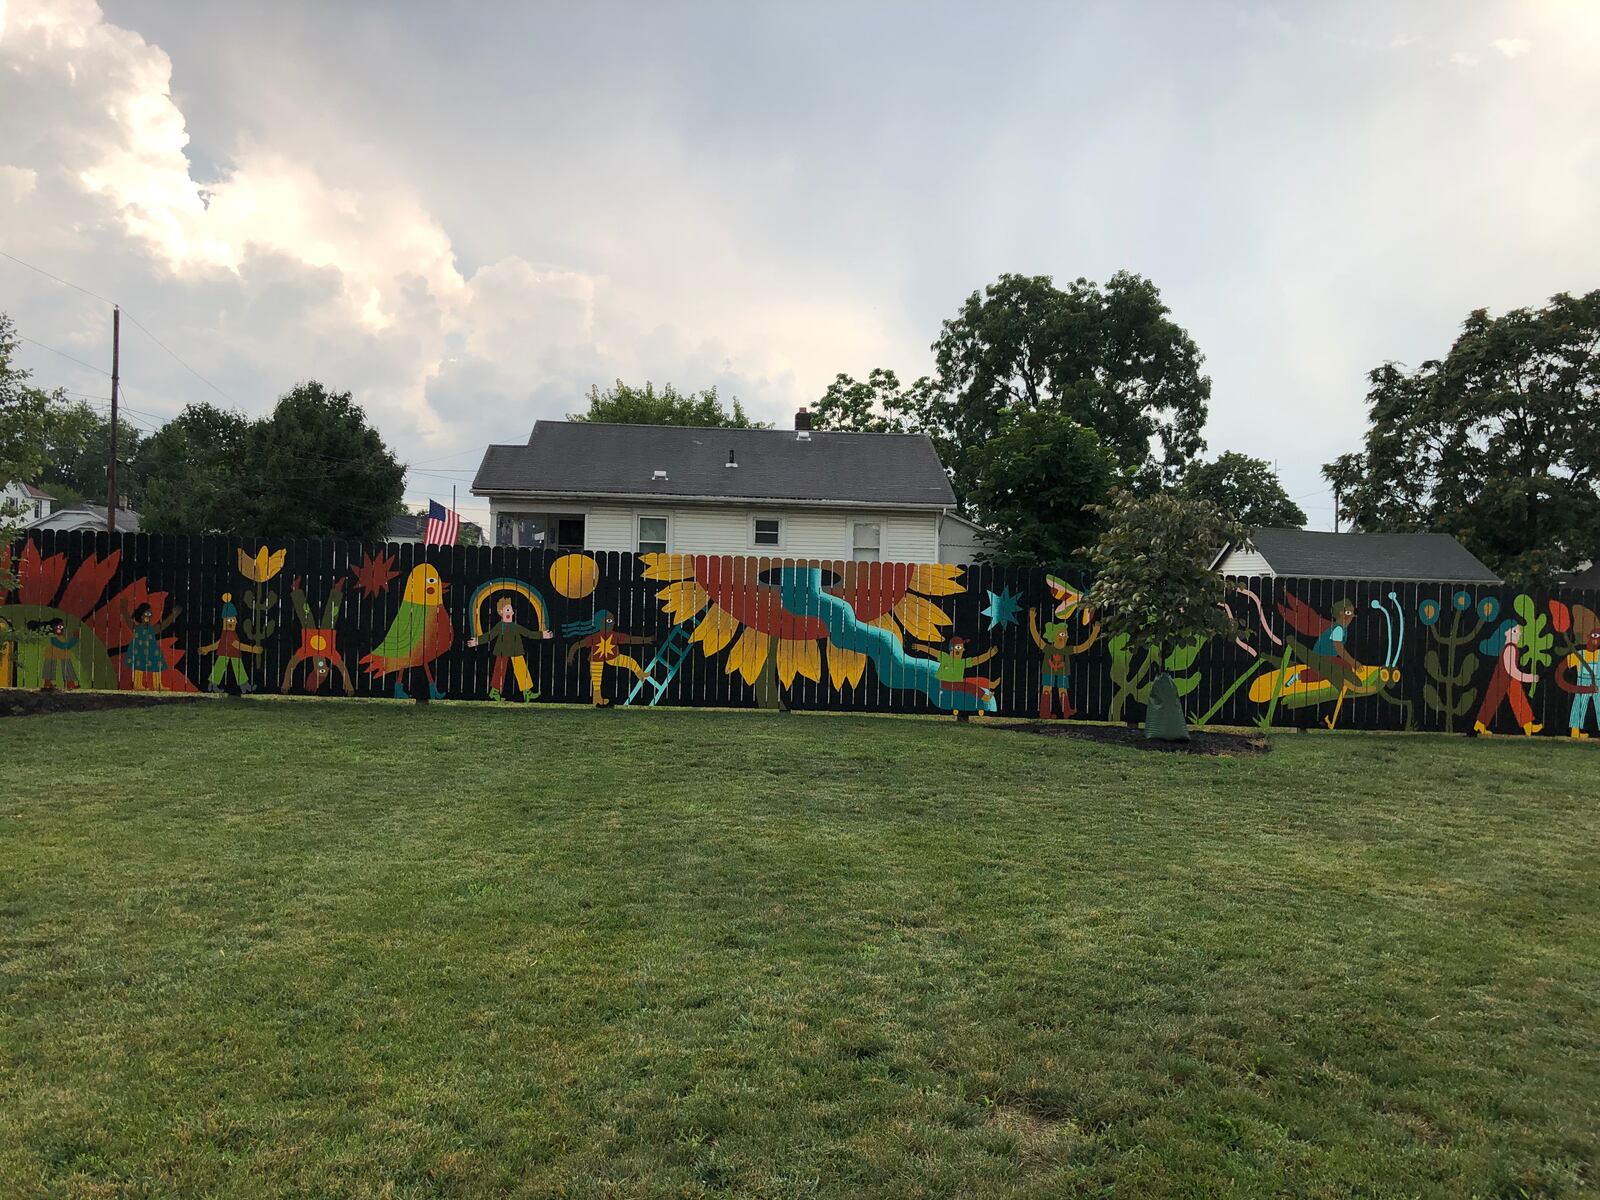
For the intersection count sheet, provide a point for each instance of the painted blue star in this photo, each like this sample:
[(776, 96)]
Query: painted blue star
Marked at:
[(1002, 608)]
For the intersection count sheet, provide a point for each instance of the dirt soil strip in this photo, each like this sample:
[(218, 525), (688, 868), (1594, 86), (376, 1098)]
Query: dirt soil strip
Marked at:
[(20, 702), (1200, 741)]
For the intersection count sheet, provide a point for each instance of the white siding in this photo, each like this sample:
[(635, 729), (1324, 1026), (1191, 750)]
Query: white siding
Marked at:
[(911, 537), (723, 529), (610, 527), (1245, 563), (959, 542)]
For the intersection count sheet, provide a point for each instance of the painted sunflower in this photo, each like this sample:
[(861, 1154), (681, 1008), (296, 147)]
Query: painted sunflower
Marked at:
[(734, 600)]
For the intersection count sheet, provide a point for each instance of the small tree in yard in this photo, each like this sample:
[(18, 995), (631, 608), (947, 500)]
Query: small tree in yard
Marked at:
[(1154, 583)]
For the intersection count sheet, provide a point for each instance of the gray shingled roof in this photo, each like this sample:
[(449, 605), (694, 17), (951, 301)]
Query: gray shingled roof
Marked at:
[(588, 458), (1384, 556)]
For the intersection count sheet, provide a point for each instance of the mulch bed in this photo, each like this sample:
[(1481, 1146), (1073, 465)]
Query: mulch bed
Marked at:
[(21, 702), (1200, 741)]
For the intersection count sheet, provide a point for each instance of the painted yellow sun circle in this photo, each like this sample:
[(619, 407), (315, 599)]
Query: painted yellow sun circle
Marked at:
[(574, 575)]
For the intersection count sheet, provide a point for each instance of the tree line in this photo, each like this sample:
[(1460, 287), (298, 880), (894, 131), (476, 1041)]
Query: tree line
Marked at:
[(1045, 402)]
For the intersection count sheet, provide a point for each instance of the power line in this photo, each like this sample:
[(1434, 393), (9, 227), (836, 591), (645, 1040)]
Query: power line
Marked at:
[(22, 337), (178, 360), (64, 282)]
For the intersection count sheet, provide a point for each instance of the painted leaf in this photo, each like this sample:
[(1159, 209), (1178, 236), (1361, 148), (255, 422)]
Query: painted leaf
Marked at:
[(1184, 656), (1430, 694), (1466, 700), (1431, 662), (38, 577), (1466, 670), (845, 666), (88, 584), (923, 619)]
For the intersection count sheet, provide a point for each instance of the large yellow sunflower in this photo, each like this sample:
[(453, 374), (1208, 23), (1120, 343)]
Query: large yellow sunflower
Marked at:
[(735, 600)]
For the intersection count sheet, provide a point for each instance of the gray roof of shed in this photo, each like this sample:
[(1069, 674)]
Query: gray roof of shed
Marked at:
[(589, 458), (1423, 557)]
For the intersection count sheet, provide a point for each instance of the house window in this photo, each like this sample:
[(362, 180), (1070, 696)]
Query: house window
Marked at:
[(652, 535), (867, 541), (767, 532), (539, 531)]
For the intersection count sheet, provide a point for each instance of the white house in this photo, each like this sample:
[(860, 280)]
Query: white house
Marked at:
[(792, 493), (91, 517), (25, 502)]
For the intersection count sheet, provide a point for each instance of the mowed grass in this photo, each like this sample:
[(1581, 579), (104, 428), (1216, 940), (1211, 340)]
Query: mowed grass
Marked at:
[(261, 949)]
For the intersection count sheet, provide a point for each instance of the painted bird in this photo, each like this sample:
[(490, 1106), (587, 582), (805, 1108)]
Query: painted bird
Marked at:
[(419, 633)]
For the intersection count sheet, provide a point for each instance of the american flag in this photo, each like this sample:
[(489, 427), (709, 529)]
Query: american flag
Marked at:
[(443, 525)]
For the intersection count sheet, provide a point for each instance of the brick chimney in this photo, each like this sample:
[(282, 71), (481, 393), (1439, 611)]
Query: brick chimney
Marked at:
[(802, 419)]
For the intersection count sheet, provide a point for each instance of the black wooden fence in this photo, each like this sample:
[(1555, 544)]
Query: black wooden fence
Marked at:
[(729, 632)]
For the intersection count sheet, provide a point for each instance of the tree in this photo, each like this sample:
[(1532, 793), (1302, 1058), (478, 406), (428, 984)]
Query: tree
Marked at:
[(878, 405), (1036, 484), (194, 473), (76, 453), (30, 418), (312, 468), (1154, 585), (1498, 443), (1245, 488), (623, 404), (319, 470), (1109, 358)]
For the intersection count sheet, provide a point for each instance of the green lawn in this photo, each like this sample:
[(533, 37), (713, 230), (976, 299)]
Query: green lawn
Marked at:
[(256, 949)]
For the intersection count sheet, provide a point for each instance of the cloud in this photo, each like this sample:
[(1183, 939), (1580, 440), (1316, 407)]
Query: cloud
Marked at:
[(1512, 47), (469, 217)]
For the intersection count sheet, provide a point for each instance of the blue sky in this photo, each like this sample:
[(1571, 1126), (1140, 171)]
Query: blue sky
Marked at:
[(470, 214)]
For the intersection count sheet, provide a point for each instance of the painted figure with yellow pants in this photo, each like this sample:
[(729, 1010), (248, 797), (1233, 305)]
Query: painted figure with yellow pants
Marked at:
[(506, 643), (600, 637)]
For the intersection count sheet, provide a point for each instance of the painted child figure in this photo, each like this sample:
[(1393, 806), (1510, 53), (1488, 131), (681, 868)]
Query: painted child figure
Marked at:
[(144, 656), (506, 644), (600, 638), (1579, 672), (229, 648), (55, 661), (953, 667), (1056, 649), (1506, 683)]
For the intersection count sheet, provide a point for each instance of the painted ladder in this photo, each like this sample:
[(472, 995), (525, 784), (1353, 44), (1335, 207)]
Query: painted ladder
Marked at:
[(673, 650)]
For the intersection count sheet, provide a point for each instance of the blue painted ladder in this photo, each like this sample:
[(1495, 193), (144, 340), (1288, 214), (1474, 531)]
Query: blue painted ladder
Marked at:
[(673, 650)]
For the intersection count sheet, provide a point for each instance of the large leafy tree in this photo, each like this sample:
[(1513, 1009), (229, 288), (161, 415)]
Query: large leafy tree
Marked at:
[(1037, 484), (1498, 443), (877, 404), (320, 469), (623, 404), (194, 473), (1154, 584), (1110, 358), (313, 467), (77, 451), (30, 420), (1245, 488)]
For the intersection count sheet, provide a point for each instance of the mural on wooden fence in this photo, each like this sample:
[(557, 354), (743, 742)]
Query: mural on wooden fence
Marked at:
[(157, 613)]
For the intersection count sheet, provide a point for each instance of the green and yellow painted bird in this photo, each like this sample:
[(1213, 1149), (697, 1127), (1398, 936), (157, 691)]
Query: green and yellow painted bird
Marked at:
[(419, 633)]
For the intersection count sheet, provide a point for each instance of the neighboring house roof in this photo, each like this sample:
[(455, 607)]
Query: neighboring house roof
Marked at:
[(86, 516), (407, 525), (1587, 576), (581, 458), (1420, 557)]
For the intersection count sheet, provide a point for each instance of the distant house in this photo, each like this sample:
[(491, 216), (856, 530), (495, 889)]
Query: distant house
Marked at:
[(86, 516), (24, 502), (408, 528), (1383, 557), (793, 493)]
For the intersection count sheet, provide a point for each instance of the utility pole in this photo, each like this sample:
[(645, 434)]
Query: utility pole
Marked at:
[(111, 466), (1336, 508)]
